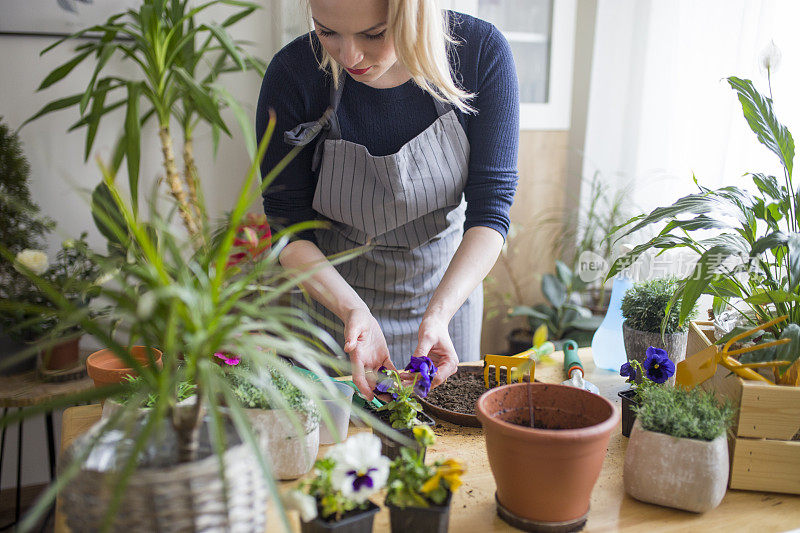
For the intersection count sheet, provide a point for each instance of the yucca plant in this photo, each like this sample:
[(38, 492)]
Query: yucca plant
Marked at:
[(178, 63), (747, 243), (190, 302)]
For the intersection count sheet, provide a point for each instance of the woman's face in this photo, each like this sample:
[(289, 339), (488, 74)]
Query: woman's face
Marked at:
[(354, 33)]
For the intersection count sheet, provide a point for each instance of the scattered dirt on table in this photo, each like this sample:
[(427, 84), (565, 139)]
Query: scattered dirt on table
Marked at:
[(461, 391)]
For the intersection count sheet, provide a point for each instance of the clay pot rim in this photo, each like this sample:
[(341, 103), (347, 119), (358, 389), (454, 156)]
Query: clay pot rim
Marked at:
[(95, 371), (598, 430)]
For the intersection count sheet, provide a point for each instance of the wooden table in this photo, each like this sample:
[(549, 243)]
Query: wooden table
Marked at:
[(25, 390), (473, 507)]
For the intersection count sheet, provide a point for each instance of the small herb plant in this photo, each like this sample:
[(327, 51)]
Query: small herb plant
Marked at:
[(260, 393), (686, 414), (403, 408), (412, 483), (343, 481), (185, 391), (646, 307), (657, 369)]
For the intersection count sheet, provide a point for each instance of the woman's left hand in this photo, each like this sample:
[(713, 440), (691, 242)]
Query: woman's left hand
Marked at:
[(434, 341)]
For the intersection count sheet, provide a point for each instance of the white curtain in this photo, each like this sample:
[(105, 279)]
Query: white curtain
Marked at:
[(660, 109)]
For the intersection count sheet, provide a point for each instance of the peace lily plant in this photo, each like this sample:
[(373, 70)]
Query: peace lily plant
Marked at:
[(747, 240)]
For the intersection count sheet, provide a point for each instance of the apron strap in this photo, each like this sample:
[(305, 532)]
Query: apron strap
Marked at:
[(442, 108), (305, 133)]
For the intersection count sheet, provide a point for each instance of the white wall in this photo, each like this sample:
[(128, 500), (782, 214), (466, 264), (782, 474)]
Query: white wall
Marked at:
[(61, 180)]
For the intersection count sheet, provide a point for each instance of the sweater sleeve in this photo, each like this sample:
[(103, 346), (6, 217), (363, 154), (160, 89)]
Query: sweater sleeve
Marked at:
[(493, 137), (288, 198)]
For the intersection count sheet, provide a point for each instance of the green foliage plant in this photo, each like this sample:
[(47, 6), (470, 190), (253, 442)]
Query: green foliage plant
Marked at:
[(166, 291), (178, 62), (747, 243), (646, 307), (403, 407), (260, 391), (686, 414), (21, 225), (412, 483), (563, 317), (184, 391)]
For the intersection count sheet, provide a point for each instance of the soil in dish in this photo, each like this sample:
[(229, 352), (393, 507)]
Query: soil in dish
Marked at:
[(461, 391)]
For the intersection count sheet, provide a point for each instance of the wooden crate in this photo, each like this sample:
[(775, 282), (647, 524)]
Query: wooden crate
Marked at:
[(764, 455)]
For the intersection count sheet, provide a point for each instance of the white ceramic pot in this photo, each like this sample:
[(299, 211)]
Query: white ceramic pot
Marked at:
[(686, 474), (291, 454)]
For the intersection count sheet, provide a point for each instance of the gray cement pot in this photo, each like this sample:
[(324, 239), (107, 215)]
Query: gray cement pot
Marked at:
[(686, 474), (291, 454), (637, 342)]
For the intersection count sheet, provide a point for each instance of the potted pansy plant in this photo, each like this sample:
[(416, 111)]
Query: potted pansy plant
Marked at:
[(419, 495), (336, 498), (404, 412), (656, 370)]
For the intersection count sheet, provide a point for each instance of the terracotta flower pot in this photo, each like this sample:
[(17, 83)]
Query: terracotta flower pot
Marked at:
[(62, 356), (686, 474), (545, 477), (637, 342), (105, 368)]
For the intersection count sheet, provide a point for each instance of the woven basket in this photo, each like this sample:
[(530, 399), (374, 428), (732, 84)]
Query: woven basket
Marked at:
[(182, 498)]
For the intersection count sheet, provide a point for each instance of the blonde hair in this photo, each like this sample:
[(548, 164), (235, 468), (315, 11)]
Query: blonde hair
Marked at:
[(422, 39)]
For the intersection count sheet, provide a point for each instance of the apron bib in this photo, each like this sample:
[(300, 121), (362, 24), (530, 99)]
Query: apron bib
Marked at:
[(409, 207)]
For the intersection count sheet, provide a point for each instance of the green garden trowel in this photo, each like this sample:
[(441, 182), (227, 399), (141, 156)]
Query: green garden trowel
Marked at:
[(574, 369)]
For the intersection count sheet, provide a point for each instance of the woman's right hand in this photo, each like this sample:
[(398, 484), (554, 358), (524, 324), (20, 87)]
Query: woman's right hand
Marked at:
[(365, 344)]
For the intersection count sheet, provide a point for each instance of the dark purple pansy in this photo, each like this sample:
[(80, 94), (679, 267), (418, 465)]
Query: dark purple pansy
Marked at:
[(627, 371), (658, 366), (426, 370), (362, 480), (384, 383)]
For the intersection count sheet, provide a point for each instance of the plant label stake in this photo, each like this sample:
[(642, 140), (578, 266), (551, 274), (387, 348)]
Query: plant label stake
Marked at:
[(702, 366)]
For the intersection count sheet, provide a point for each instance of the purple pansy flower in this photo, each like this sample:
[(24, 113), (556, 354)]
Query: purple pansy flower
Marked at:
[(658, 366), (385, 382), (627, 371), (426, 370), (362, 479), (230, 360)]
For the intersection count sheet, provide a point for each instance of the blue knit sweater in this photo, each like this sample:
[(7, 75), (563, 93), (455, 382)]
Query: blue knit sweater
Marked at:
[(383, 121)]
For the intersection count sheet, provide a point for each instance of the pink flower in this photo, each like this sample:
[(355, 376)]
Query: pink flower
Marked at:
[(230, 361)]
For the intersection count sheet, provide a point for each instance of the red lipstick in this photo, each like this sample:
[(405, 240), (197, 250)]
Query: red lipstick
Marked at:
[(357, 71)]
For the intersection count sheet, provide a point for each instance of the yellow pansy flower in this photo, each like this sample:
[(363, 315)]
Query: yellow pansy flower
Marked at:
[(451, 471)]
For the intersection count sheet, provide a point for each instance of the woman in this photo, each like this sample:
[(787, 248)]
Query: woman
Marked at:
[(417, 159)]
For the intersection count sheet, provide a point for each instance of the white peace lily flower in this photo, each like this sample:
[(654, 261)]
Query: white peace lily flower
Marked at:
[(360, 469), (301, 502), (34, 260), (770, 58)]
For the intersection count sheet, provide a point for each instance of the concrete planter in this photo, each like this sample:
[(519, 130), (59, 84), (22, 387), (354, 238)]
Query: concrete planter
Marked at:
[(686, 474), (291, 455), (637, 342)]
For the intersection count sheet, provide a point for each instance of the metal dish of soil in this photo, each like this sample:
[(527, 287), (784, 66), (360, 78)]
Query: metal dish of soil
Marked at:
[(454, 400)]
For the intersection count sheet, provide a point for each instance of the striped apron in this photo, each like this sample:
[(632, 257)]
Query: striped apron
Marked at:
[(409, 207)]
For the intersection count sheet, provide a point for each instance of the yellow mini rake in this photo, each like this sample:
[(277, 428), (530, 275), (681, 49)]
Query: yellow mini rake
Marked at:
[(509, 362), (702, 366)]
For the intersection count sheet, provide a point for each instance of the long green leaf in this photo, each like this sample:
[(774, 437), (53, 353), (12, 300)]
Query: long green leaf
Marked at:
[(55, 105), (759, 115), (132, 143), (242, 117), (60, 72), (205, 105), (105, 55), (226, 41)]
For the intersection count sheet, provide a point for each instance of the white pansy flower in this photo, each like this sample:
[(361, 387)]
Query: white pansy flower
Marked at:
[(34, 260), (770, 58), (301, 502), (360, 469)]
